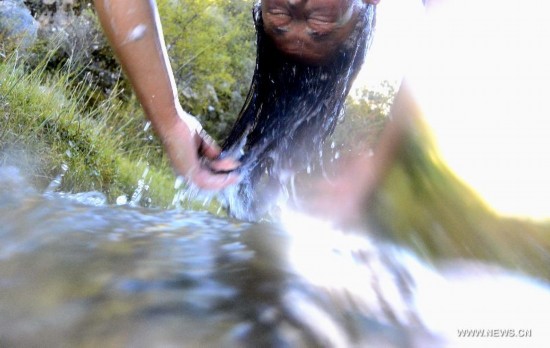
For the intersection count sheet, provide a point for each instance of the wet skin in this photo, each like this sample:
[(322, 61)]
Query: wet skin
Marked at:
[(310, 30)]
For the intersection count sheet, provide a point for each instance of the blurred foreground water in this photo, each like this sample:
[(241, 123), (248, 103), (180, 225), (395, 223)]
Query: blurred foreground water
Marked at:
[(75, 272)]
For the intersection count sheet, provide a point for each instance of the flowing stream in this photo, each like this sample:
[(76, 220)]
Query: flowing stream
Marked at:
[(76, 272)]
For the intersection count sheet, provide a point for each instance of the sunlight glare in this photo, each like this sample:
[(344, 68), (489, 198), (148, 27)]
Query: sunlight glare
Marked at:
[(503, 301), (351, 267), (397, 25), (481, 77)]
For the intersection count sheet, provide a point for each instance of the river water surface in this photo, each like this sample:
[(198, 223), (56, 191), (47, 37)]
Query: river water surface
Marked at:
[(76, 272)]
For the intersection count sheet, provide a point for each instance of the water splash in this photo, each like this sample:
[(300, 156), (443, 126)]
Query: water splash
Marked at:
[(190, 196), (55, 184), (142, 187), (458, 303), (121, 200), (77, 275)]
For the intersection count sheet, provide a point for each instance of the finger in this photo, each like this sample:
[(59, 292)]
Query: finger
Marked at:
[(224, 165), (207, 146), (209, 181)]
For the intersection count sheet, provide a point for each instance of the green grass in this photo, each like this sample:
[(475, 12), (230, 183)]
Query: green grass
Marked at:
[(45, 126)]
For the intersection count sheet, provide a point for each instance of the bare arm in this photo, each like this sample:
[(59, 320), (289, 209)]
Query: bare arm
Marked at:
[(134, 31)]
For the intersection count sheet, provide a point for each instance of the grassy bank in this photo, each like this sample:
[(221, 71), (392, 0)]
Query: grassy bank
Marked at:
[(45, 127)]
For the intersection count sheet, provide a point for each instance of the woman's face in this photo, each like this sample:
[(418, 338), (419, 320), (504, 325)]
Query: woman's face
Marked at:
[(310, 30)]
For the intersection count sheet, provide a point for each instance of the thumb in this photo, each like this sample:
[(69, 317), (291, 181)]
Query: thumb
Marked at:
[(207, 147)]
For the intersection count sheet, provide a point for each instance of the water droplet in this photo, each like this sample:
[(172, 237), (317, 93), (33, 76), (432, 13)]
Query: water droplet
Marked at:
[(121, 200), (147, 125), (137, 33), (179, 181), (136, 196)]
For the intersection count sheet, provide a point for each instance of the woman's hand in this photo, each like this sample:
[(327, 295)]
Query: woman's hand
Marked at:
[(193, 154)]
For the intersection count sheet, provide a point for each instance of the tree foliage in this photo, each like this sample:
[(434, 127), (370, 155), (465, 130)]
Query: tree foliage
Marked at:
[(211, 46), (364, 117)]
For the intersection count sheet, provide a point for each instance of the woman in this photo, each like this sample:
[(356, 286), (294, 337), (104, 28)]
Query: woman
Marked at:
[(304, 34), (308, 55)]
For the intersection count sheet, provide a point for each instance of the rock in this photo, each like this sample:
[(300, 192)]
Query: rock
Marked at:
[(18, 28)]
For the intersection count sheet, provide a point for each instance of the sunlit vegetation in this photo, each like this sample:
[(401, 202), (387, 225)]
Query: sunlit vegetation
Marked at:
[(45, 127), (65, 102), (212, 49), (364, 118), (210, 43), (425, 206)]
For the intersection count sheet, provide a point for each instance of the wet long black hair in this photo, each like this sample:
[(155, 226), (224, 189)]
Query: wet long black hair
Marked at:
[(291, 108)]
